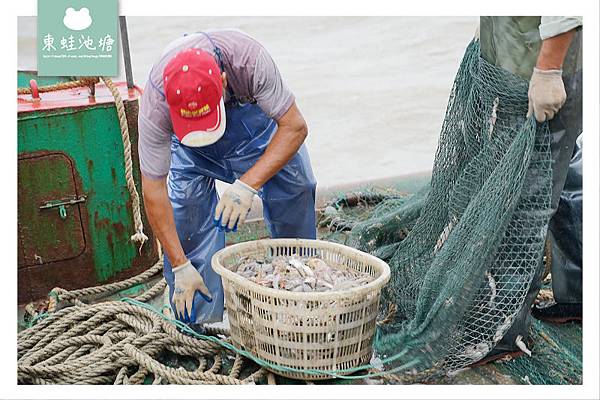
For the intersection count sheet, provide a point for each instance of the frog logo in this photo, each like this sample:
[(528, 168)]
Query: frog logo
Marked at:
[(77, 20)]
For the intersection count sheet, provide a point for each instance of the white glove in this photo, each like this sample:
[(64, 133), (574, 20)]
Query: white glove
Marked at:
[(546, 94), (187, 281), (234, 205)]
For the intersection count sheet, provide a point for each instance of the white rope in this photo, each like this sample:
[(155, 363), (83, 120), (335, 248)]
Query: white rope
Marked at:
[(139, 235)]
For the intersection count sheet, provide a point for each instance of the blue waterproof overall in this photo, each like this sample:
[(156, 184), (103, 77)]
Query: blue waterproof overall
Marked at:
[(288, 197)]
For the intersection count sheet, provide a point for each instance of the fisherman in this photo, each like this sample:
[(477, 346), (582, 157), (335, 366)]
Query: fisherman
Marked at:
[(215, 107), (547, 52)]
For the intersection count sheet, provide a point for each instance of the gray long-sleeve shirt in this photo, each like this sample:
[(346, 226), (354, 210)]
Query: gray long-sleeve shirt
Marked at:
[(553, 26)]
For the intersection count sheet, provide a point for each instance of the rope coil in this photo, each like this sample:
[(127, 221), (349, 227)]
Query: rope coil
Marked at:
[(115, 342)]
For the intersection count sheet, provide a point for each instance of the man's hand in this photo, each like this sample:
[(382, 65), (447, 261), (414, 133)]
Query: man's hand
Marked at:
[(234, 206), (546, 94), (546, 88), (187, 281)]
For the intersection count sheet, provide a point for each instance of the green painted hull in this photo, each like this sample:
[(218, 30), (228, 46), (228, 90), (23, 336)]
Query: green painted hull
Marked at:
[(75, 154)]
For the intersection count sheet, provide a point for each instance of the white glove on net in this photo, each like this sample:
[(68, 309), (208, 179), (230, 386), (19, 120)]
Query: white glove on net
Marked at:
[(546, 94), (234, 205), (187, 281)]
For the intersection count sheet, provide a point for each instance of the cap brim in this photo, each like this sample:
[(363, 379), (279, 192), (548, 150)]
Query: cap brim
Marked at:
[(198, 132)]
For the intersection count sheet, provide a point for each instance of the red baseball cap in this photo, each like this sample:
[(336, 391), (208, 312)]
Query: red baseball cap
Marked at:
[(194, 92)]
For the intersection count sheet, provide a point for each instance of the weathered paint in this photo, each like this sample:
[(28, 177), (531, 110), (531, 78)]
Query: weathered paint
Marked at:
[(69, 99), (89, 137), (47, 236)]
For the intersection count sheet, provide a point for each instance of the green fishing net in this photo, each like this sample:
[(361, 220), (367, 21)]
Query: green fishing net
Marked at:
[(463, 251)]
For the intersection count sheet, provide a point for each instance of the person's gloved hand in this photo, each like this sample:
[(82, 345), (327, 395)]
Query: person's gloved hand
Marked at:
[(234, 206), (546, 94), (187, 281)]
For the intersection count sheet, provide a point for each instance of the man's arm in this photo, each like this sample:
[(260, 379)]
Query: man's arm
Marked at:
[(547, 92), (554, 50), (160, 215), (154, 147), (290, 135), (277, 101), (237, 199), (186, 280)]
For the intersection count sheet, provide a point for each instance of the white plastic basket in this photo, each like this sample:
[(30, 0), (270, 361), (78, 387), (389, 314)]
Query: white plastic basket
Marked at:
[(324, 330)]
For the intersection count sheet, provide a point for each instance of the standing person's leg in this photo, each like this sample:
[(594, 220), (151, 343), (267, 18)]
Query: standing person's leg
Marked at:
[(194, 198), (289, 200), (565, 237), (565, 128)]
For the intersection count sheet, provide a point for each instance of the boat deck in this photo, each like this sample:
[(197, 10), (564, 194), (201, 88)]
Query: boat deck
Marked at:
[(556, 349)]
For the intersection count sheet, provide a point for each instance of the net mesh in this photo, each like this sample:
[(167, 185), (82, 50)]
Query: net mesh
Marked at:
[(464, 250)]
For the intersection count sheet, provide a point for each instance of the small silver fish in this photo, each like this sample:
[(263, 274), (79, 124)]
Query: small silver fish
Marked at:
[(492, 285), (311, 281), (276, 281), (299, 265), (317, 264), (325, 284), (301, 274)]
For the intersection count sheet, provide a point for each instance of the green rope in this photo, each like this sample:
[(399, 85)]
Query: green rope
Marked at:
[(334, 374)]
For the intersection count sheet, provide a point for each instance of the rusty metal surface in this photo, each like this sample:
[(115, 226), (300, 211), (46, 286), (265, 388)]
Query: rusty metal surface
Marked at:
[(51, 238), (90, 138), (46, 235)]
